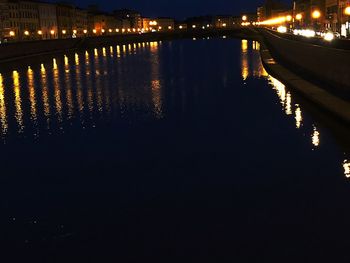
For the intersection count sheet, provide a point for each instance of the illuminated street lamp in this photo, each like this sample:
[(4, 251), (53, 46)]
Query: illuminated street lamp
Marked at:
[(244, 18), (64, 32), (85, 31), (347, 12), (94, 31), (316, 14), (299, 17), (40, 32), (12, 33), (26, 33)]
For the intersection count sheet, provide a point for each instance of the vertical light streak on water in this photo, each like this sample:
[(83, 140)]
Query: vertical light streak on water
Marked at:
[(298, 116), (3, 116), (69, 92), (57, 90), (18, 101), (244, 59), (155, 80), (99, 75), (45, 93), (79, 90), (32, 96)]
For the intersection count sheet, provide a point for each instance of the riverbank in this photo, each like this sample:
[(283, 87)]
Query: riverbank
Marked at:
[(335, 105), (12, 52)]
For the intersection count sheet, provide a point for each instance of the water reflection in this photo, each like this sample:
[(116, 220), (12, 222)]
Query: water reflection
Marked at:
[(3, 116), (316, 137), (252, 67), (346, 166), (18, 100), (251, 61), (81, 87)]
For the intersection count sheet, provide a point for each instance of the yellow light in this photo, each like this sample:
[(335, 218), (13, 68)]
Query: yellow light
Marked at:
[(110, 30), (153, 23), (12, 33), (74, 31), (40, 32), (347, 11), (299, 17), (123, 30), (160, 28), (244, 18), (134, 30), (282, 29), (315, 137), (346, 166), (224, 24), (129, 29), (193, 26), (289, 18), (85, 31), (52, 32), (26, 33), (180, 27), (64, 32), (102, 30), (117, 30), (316, 14), (169, 27), (274, 21), (94, 31)]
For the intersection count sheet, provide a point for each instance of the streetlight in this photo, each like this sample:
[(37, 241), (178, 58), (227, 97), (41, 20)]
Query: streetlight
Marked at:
[(316, 14), (12, 33), (347, 12), (244, 18)]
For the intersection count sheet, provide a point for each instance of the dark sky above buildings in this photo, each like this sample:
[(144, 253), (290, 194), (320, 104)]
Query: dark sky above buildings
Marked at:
[(177, 8)]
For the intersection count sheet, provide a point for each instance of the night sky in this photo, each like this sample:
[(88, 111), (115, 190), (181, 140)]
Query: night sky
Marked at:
[(177, 8)]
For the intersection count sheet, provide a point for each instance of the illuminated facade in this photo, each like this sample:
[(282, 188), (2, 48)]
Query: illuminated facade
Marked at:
[(48, 21), (65, 17)]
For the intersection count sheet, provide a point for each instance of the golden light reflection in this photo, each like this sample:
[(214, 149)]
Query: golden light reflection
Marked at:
[(111, 51), (245, 62), (57, 90), (298, 116), (54, 63), (104, 53), (3, 116), (95, 52), (18, 100), (45, 93), (346, 166), (118, 51), (66, 62), (280, 88), (288, 107), (315, 137), (32, 96), (156, 87), (76, 58)]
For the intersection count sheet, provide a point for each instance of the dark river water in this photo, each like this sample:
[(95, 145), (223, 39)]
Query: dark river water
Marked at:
[(183, 150)]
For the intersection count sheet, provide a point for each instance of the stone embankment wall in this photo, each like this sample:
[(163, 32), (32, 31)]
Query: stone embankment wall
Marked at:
[(328, 66)]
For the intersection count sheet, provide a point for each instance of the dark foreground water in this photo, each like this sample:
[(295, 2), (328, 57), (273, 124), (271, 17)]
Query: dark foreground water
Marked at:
[(174, 151)]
